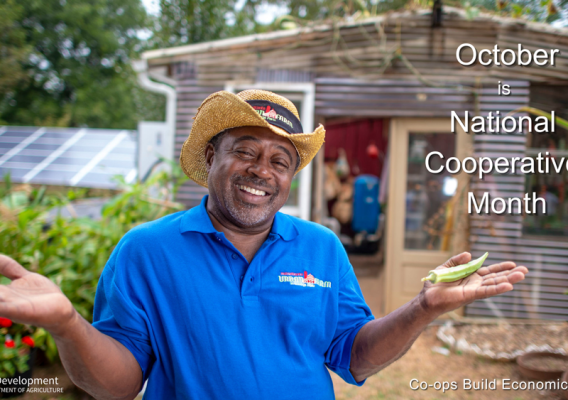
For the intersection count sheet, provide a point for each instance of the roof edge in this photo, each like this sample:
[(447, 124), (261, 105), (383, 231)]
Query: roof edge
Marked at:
[(258, 37)]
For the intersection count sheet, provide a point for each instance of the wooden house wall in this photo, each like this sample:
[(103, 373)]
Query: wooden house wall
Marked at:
[(190, 95), (360, 51), (388, 98), (541, 294), (350, 83)]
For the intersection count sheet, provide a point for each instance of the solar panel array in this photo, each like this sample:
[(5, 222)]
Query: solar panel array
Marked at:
[(68, 156)]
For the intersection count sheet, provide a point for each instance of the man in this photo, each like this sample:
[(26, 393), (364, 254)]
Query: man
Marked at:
[(232, 299)]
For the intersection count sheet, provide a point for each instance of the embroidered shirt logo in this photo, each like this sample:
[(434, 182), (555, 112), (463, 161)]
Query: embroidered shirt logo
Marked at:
[(305, 279)]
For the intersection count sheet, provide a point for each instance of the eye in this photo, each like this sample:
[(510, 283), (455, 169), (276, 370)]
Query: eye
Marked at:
[(281, 164), (244, 153)]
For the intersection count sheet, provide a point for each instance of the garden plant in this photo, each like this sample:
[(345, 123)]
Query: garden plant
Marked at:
[(71, 251)]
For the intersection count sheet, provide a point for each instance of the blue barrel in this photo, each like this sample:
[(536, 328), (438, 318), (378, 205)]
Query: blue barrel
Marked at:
[(366, 207)]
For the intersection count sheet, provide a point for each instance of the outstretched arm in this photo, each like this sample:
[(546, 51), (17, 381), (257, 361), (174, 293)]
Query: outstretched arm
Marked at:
[(384, 340), (94, 361)]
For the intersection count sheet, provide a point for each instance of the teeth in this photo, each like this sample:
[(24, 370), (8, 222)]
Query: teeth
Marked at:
[(253, 191)]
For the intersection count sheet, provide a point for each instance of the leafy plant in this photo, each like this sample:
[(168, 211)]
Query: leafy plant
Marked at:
[(72, 252), (16, 343)]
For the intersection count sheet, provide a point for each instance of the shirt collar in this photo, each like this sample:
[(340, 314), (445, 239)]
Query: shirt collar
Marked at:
[(196, 219), (284, 226)]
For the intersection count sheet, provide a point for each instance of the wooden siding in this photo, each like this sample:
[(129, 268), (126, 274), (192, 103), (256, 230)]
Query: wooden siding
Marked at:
[(410, 98), (350, 83), (541, 294), (190, 95), (359, 51)]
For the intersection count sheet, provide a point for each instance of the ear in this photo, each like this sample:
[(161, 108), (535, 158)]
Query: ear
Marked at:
[(209, 155)]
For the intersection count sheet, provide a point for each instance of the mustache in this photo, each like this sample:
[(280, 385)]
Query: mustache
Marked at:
[(257, 182)]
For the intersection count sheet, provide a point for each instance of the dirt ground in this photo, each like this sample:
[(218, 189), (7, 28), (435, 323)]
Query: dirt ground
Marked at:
[(425, 365), (392, 383)]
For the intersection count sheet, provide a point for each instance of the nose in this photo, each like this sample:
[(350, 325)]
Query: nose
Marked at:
[(260, 168)]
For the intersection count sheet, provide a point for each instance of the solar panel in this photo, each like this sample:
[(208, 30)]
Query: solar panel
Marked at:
[(80, 157)]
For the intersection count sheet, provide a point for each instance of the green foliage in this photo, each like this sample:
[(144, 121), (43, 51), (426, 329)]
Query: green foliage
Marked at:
[(326, 9), (536, 10), (73, 63), (14, 359), (302, 12), (193, 21), (72, 252), (15, 346), (13, 48)]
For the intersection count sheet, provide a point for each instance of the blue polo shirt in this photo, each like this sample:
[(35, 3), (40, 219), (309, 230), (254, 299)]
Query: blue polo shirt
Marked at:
[(203, 323)]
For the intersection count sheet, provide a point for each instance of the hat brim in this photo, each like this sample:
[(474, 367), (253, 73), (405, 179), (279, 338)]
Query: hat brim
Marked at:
[(225, 110)]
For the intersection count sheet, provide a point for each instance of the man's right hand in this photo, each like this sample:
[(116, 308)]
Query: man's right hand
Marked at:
[(33, 299)]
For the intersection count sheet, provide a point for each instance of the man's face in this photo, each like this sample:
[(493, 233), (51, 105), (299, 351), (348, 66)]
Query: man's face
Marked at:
[(250, 175)]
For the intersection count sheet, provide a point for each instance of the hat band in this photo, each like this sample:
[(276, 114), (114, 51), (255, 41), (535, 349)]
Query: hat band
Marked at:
[(277, 115)]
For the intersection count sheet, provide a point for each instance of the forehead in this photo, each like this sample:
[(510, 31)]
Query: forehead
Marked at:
[(262, 136)]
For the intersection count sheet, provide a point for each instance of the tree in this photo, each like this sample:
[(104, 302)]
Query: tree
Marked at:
[(13, 49), (303, 12), (77, 67), (192, 21)]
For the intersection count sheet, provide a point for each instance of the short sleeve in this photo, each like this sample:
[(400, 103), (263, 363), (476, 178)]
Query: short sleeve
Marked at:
[(353, 313), (118, 311)]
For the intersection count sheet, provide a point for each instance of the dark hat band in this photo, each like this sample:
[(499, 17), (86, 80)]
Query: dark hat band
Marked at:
[(277, 115)]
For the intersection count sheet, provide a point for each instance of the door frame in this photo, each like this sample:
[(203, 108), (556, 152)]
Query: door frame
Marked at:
[(396, 255), (308, 89)]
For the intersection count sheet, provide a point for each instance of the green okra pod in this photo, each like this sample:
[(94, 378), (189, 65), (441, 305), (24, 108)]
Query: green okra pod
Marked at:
[(455, 273)]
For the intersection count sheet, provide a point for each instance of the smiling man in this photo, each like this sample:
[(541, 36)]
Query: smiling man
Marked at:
[(233, 299), (247, 193)]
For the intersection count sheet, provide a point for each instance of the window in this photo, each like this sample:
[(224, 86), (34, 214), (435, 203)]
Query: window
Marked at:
[(427, 195), (553, 187)]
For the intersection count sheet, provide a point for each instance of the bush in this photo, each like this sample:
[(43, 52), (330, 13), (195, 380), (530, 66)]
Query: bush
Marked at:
[(72, 252)]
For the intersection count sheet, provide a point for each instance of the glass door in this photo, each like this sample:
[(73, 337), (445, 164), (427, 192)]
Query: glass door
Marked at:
[(428, 214), (422, 205)]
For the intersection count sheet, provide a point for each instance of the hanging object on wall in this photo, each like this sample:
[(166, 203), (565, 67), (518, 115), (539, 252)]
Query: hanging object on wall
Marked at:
[(342, 165), (373, 150), (332, 184), (355, 170)]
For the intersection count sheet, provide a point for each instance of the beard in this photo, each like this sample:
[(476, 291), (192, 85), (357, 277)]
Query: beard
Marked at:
[(247, 214)]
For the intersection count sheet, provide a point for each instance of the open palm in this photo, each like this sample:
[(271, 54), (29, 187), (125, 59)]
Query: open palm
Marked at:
[(32, 298), (486, 282)]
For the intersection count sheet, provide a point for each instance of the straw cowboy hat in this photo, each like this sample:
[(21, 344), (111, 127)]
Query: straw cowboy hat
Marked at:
[(224, 110)]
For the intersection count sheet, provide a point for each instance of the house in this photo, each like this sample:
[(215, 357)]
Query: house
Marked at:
[(394, 82)]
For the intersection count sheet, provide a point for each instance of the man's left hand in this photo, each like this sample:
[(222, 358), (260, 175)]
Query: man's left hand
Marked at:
[(486, 282)]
